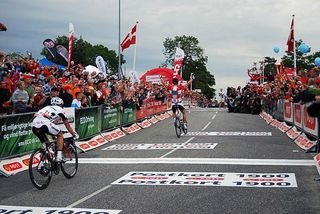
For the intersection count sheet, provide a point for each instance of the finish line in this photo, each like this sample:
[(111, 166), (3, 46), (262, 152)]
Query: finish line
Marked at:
[(209, 161), (247, 134)]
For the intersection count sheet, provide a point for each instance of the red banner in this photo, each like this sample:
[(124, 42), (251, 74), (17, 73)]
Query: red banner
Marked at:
[(310, 124), (288, 116), (298, 115)]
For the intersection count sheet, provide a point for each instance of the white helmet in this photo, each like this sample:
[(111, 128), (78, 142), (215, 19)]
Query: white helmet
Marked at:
[(56, 101)]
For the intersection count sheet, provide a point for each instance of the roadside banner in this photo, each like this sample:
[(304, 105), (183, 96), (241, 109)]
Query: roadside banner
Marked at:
[(304, 143), (93, 143), (288, 112), (129, 114), (298, 115), (310, 124), (87, 122), (16, 136), (110, 117)]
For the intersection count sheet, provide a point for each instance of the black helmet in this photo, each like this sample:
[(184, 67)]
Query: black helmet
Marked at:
[(175, 81)]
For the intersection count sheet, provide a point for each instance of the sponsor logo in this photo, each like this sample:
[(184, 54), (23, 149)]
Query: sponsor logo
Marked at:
[(287, 112), (84, 146), (26, 161), (309, 122), (212, 179), (114, 135), (109, 137), (297, 114), (12, 166), (100, 140), (120, 133), (161, 146), (93, 143), (54, 210)]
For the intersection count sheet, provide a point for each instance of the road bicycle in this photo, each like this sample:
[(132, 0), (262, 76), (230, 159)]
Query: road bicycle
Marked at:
[(178, 123), (42, 163)]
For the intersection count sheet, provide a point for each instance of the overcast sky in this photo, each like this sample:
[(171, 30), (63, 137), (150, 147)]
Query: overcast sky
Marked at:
[(233, 33)]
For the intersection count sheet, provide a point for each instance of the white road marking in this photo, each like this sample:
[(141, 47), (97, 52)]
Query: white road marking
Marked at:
[(158, 146), (208, 161), (177, 148), (254, 134), (206, 126), (89, 196)]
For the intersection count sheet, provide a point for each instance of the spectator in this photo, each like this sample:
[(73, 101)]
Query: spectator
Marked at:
[(20, 99), (66, 95), (4, 96), (76, 103), (38, 96), (50, 84), (46, 100)]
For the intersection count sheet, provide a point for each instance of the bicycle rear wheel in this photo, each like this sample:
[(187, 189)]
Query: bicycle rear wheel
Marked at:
[(69, 167), (177, 126), (40, 169)]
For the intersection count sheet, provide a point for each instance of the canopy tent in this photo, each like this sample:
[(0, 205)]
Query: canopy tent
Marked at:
[(166, 73), (45, 62)]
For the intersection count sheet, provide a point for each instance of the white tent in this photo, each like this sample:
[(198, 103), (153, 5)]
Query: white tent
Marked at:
[(90, 69)]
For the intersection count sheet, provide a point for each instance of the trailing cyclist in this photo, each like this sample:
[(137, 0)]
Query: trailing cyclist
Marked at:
[(45, 122)]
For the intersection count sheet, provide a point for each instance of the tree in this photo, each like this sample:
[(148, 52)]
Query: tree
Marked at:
[(304, 61), (84, 53), (194, 62)]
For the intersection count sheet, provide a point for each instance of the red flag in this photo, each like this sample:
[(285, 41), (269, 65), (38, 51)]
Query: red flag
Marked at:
[(290, 41), (130, 39)]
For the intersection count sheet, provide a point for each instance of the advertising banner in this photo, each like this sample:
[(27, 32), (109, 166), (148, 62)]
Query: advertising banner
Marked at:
[(298, 115), (288, 112), (110, 117), (141, 113), (129, 114), (310, 124), (87, 122), (16, 136)]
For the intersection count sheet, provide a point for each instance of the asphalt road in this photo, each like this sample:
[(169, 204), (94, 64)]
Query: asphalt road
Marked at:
[(265, 158)]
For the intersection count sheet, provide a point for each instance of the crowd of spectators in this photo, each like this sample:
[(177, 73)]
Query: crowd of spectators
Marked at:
[(27, 86), (303, 87)]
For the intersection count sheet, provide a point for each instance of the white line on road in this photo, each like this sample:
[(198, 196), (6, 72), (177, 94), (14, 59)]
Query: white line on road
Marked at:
[(214, 116), (190, 139), (88, 196), (206, 126), (208, 161)]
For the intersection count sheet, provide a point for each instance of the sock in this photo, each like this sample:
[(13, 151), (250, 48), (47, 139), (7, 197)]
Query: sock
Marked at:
[(59, 155)]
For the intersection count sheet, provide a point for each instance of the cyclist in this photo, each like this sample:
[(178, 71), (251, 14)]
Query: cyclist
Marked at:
[(45, 122), (176, 92)]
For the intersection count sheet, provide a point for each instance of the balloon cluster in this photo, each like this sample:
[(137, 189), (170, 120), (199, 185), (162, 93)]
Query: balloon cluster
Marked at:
[(303, 48), (276, 49), (317, 61)]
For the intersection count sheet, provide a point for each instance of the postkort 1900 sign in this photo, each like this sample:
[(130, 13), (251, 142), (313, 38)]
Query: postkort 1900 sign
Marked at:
[(209, 179)]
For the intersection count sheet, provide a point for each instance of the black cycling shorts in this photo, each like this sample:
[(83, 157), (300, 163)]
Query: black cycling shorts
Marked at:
[(41, 133), (174, 108)]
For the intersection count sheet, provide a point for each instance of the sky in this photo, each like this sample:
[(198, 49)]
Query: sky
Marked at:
[(233, 34)]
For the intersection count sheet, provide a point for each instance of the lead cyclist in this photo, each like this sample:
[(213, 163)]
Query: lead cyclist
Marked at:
[(176, 92)]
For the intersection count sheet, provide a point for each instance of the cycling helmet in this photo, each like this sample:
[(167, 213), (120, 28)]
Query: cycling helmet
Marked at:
[(175, 81), (56, 101)]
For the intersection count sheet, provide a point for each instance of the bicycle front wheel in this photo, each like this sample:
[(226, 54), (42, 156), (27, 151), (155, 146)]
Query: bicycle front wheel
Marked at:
[(69, 166), (177, 126), (40, 169)]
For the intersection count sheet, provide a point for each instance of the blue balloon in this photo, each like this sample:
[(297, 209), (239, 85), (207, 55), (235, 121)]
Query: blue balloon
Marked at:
[(317, 61), (276, 49), (303, 48)]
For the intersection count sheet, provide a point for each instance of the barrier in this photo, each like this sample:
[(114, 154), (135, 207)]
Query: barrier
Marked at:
[(16, 137), (296, 115)]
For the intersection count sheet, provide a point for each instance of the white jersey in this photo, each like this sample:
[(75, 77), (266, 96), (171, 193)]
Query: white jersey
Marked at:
[(51, 113)]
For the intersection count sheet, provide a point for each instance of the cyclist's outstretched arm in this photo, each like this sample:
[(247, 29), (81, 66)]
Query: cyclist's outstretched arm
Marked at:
[(69, 128)]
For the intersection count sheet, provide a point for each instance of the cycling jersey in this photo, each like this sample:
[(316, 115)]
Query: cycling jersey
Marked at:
[(49, 116), (176, 93)]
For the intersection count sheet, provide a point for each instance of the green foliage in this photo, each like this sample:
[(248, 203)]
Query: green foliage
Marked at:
[(84, 53), (304, 61), (194, 62)]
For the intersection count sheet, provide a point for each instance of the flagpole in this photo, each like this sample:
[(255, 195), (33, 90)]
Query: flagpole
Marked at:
[(294, 51), (135, 49), (119, 54)]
